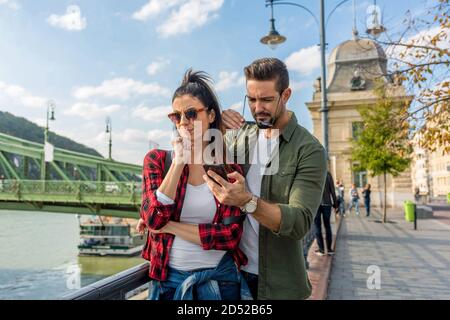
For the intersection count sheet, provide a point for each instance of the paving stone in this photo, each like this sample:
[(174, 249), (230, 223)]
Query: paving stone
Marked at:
[(413, 264)]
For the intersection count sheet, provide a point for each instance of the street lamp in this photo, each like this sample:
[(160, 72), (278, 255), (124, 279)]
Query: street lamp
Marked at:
[(274, 38), (109, 130), (375, 28), (50, 117)]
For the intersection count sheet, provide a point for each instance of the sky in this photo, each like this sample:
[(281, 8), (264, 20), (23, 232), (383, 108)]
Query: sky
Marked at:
[(124, 59)]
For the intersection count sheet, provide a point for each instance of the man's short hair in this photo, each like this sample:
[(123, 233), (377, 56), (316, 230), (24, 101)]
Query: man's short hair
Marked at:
[(267, 69)]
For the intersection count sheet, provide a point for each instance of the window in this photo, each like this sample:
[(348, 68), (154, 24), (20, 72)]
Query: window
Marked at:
[(359, 177), (357, 128)]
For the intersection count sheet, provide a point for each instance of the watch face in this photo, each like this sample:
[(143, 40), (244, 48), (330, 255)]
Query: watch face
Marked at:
[(250, 207)]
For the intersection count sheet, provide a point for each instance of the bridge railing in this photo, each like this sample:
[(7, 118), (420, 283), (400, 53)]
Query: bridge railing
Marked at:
[(69, 190), (121, 286)]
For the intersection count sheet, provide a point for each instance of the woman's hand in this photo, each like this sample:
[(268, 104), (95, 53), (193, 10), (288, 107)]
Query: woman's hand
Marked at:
[(181, 147), (188, 232), (140, 227), (165, 229)]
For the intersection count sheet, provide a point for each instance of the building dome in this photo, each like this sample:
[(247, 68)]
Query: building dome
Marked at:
[(355, 64)]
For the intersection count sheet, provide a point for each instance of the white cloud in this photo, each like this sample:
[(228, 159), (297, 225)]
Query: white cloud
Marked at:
[(304, 61), (18, 94), (189, 16), (422, 38), (91, 110), (236, 106), (133, 143), (129, 137), (11, 4), (33, 101), (156, 114), (157, 65), (160, 136), (154, 8), (121, 88), (129, 144), (229, 80), (40, 122), (136, 136), (184, 16), (300, 85), (71, 21), (133, 136)]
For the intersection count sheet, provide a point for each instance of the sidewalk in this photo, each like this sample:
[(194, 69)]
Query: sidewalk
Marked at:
[(320, 267), (413, 264)]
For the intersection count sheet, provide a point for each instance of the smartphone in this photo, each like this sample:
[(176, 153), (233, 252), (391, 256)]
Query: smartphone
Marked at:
[(218, 169)]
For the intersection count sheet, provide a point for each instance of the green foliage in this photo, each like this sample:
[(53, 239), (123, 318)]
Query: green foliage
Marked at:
[(24, 129), (383, 145)]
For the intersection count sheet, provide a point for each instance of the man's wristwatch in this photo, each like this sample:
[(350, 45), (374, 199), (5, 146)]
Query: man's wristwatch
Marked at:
[(250, 207)]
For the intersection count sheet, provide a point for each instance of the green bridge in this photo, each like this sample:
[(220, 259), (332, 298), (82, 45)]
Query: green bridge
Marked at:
[(72, 183)]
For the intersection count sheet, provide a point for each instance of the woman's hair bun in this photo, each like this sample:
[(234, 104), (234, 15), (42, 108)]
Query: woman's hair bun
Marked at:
[(199, 77)]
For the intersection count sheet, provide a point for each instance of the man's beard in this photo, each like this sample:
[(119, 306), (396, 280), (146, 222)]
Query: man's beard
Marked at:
[(270, 120), (266, 123)]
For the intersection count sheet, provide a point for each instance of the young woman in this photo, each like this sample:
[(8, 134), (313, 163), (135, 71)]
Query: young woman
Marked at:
[(340, 192), (193, 241), (354, 199)]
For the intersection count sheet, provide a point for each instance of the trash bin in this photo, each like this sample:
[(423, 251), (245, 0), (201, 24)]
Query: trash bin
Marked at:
[(409, 210)]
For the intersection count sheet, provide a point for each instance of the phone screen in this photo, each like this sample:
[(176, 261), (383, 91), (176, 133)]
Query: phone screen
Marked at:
[(218, 169)]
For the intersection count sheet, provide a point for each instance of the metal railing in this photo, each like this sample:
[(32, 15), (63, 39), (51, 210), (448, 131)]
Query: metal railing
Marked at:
[(120, 286), (73, 190)]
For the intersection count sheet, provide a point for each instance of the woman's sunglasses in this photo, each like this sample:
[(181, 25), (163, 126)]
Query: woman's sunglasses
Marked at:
[(190, 114)]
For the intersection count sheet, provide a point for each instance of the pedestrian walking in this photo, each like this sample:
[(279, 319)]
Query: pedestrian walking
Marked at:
[(366, 193), (354, 199), (324, 213)]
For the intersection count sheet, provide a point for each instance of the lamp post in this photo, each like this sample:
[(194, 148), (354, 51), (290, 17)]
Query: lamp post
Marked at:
[(375, 27), (50, 117), (109, 130), (273, 39)]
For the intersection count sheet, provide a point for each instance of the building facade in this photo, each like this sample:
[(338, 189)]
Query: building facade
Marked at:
[(353, 68)]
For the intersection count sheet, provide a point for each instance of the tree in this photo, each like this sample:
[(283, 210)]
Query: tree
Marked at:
[(420, 56), (383, 145), (22, 128)]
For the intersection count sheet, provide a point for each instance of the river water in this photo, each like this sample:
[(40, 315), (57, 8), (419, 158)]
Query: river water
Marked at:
[(39, 256)]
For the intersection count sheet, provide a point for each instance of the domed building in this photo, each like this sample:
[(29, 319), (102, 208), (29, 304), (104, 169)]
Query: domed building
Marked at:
[(353, 69)]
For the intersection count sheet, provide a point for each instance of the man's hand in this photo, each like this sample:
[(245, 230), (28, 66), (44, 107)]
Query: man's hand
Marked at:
[(232, 119), (231, 194)]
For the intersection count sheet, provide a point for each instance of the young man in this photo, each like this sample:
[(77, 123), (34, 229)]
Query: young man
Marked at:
[(281, 205), (324, 214)]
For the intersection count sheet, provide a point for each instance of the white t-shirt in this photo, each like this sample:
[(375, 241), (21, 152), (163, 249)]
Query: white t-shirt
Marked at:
[(199, 207), (250, 237)]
